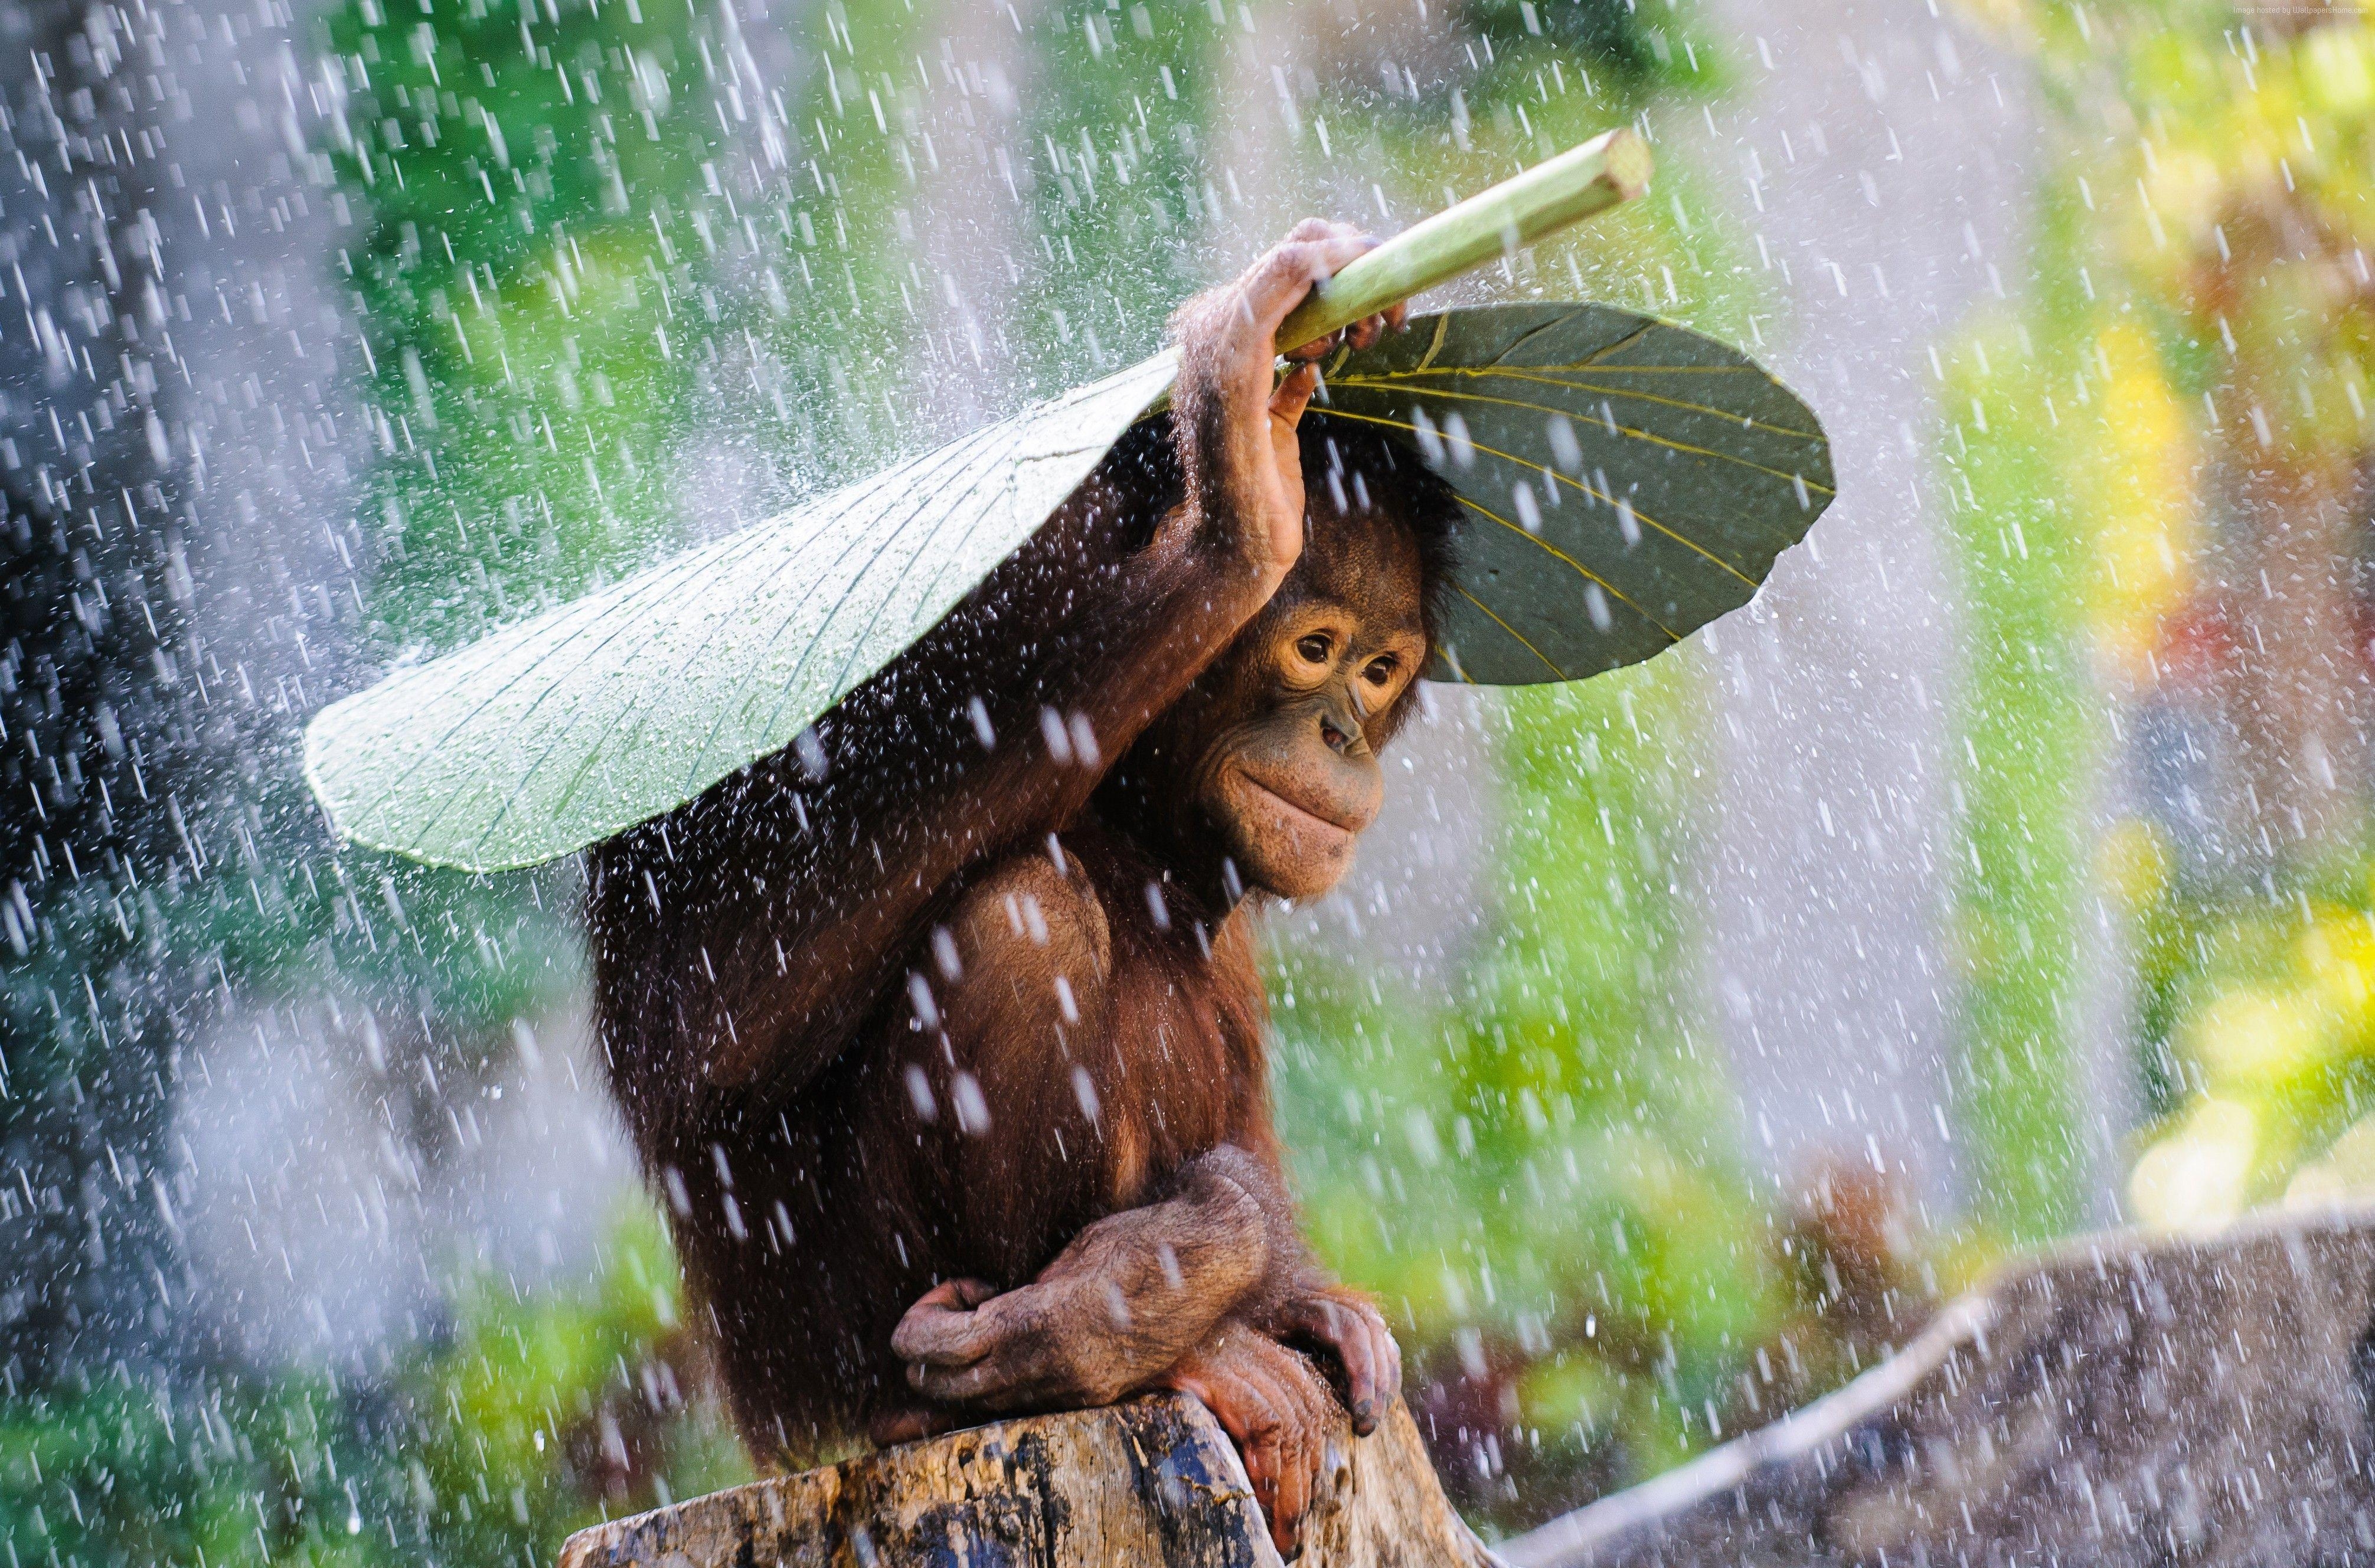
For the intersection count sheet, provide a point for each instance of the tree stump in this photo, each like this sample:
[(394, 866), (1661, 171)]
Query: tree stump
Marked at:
[(1154, 1483), (2120, 1401)]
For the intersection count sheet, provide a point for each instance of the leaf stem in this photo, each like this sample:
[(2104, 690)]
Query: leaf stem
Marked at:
[(1584, 181)]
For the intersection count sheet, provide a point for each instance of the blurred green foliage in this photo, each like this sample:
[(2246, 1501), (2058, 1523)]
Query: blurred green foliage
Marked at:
[(487, 1444), (521, 176), (2177, 549), (2258, 1004), (2022, 874)]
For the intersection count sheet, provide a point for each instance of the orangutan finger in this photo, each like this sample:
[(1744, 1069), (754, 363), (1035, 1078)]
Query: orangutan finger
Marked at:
[(1294, 1467), (1358, 1354), (1240, 1398), (1385, 1358), (1389, 1377), (945, 1340), (958, 1295), (946, 1326), (1279, 280), (1294, 394), (1276, 1448), (910, 1425), (1246, 1409), (999, 1377)]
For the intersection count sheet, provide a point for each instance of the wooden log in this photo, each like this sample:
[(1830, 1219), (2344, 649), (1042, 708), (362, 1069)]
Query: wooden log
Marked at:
[(2121, 1401), (1153, 1483)]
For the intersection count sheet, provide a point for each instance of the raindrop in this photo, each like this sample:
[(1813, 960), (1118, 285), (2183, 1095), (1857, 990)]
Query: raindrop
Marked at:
[(1053, 732), (1456, 440), (1430, 444), (1566, 451), (972, 1108), (920, 1094)]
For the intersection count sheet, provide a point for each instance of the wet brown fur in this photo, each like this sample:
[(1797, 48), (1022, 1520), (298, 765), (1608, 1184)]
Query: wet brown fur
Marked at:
[(829, 989)]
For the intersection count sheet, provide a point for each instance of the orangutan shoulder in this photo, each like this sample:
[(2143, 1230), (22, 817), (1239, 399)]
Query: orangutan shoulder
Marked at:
[(1028, 937)]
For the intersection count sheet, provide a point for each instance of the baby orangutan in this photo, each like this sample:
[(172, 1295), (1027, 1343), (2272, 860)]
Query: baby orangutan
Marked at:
[(943, 1032)]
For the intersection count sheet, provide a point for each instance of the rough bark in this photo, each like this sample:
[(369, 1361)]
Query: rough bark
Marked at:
[(1151, 1482), (2120, 1401)]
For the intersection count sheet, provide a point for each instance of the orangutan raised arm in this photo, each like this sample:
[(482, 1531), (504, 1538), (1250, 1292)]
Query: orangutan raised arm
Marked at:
[(752, 927)]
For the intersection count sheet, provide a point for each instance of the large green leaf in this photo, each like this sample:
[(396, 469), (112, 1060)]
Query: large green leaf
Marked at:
[(1662, 472), (1625, 480)]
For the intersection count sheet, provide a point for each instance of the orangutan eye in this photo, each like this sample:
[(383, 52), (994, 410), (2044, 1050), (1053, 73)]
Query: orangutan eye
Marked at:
[(1313, 648), (1379, 671)]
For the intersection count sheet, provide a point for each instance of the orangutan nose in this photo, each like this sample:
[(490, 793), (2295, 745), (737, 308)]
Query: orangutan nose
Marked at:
[(1343, 737)]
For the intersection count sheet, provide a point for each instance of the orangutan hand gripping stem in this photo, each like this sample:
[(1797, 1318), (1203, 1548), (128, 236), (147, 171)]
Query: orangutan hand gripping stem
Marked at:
[(942, 1033)]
